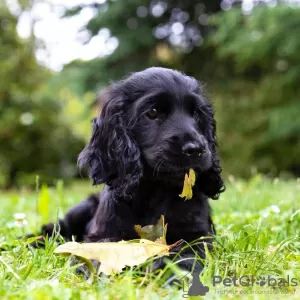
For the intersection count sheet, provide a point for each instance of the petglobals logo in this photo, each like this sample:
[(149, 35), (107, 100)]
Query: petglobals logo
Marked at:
[(250, 280)]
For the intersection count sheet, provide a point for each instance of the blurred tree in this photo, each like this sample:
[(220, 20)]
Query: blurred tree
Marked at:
[(250, 59), (35, 138), (258, 60), (160, 32)]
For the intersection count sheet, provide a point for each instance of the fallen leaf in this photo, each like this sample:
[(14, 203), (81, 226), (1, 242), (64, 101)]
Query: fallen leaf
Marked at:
[(156, 233), (115, 256), (189, 182)]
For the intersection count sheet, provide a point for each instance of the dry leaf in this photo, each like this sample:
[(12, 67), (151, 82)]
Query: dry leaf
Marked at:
[(189, 182), (115, 256), (156, 233)]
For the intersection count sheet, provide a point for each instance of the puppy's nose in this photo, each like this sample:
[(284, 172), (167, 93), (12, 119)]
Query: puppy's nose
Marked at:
[(193, 149)]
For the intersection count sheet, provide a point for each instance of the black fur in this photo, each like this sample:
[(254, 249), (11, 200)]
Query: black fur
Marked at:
[(154, 126)]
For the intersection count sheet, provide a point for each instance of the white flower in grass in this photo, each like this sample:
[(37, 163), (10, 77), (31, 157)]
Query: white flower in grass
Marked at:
[(38, 284), (19, 216), (265, 214), (275, 209), (20, 220), (272, 209)]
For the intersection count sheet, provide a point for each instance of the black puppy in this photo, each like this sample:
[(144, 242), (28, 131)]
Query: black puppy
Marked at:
[(154, 126)]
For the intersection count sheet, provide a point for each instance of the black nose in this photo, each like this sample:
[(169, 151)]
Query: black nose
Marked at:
[(193, 149)]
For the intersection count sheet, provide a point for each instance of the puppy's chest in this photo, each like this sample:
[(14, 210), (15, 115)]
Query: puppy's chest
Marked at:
[(172, 207)]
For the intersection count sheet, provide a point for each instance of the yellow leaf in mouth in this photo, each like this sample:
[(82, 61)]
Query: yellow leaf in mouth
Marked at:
[(189, 182)]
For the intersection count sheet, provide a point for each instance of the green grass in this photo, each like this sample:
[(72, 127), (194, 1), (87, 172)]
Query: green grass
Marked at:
[(258, 225)]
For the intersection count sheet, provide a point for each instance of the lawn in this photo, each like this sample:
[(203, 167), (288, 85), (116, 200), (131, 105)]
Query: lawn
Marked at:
[(258, 235)]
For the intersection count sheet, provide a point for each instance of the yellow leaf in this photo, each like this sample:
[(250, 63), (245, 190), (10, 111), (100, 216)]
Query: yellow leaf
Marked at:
[(192, 177), (155, 233), (115, 256), (189, 182)]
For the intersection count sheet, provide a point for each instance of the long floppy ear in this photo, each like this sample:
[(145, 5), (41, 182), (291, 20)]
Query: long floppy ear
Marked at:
[(210, 182), (112, 156)]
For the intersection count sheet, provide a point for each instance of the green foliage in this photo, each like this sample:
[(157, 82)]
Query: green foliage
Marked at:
[(257, 221), (138, 47), (35, 136), (259, 39), (250, 62), (261, 97), (16, 60)]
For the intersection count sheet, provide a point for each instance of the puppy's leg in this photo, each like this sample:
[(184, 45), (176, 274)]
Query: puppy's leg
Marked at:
[(185, 257), (112, 222), (75, 222), (188, 257)]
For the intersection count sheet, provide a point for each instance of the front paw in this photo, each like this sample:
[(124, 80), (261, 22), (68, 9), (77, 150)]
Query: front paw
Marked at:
[(161, 262), (167, 274), (158, 264)]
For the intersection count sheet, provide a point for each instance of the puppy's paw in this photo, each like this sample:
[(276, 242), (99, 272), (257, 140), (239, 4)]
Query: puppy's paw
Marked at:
[(158, 264)]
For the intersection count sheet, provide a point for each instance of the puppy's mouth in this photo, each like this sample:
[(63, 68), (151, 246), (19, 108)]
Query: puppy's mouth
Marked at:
[(173, 175), (167, 165), (181, 165), (172, 170)]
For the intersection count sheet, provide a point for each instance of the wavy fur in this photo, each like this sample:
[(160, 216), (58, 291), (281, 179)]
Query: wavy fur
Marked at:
[(153, 127)]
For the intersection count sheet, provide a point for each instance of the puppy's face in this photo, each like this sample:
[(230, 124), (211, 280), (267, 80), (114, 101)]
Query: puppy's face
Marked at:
[(156, 120), (172, 126)]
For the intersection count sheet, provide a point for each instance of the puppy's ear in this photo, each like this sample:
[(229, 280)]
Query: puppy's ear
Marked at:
[(210, 182), (112, 156)]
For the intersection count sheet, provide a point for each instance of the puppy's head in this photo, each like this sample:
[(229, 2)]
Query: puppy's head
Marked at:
[(155, 120)]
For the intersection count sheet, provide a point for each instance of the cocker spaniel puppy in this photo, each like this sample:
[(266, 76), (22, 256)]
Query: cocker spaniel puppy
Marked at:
[(154, 126)]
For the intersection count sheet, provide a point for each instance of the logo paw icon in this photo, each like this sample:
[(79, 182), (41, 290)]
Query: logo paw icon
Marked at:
[(261, 281)]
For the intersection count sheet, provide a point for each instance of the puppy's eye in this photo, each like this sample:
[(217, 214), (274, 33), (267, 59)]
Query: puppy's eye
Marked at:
[(152, 113)]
